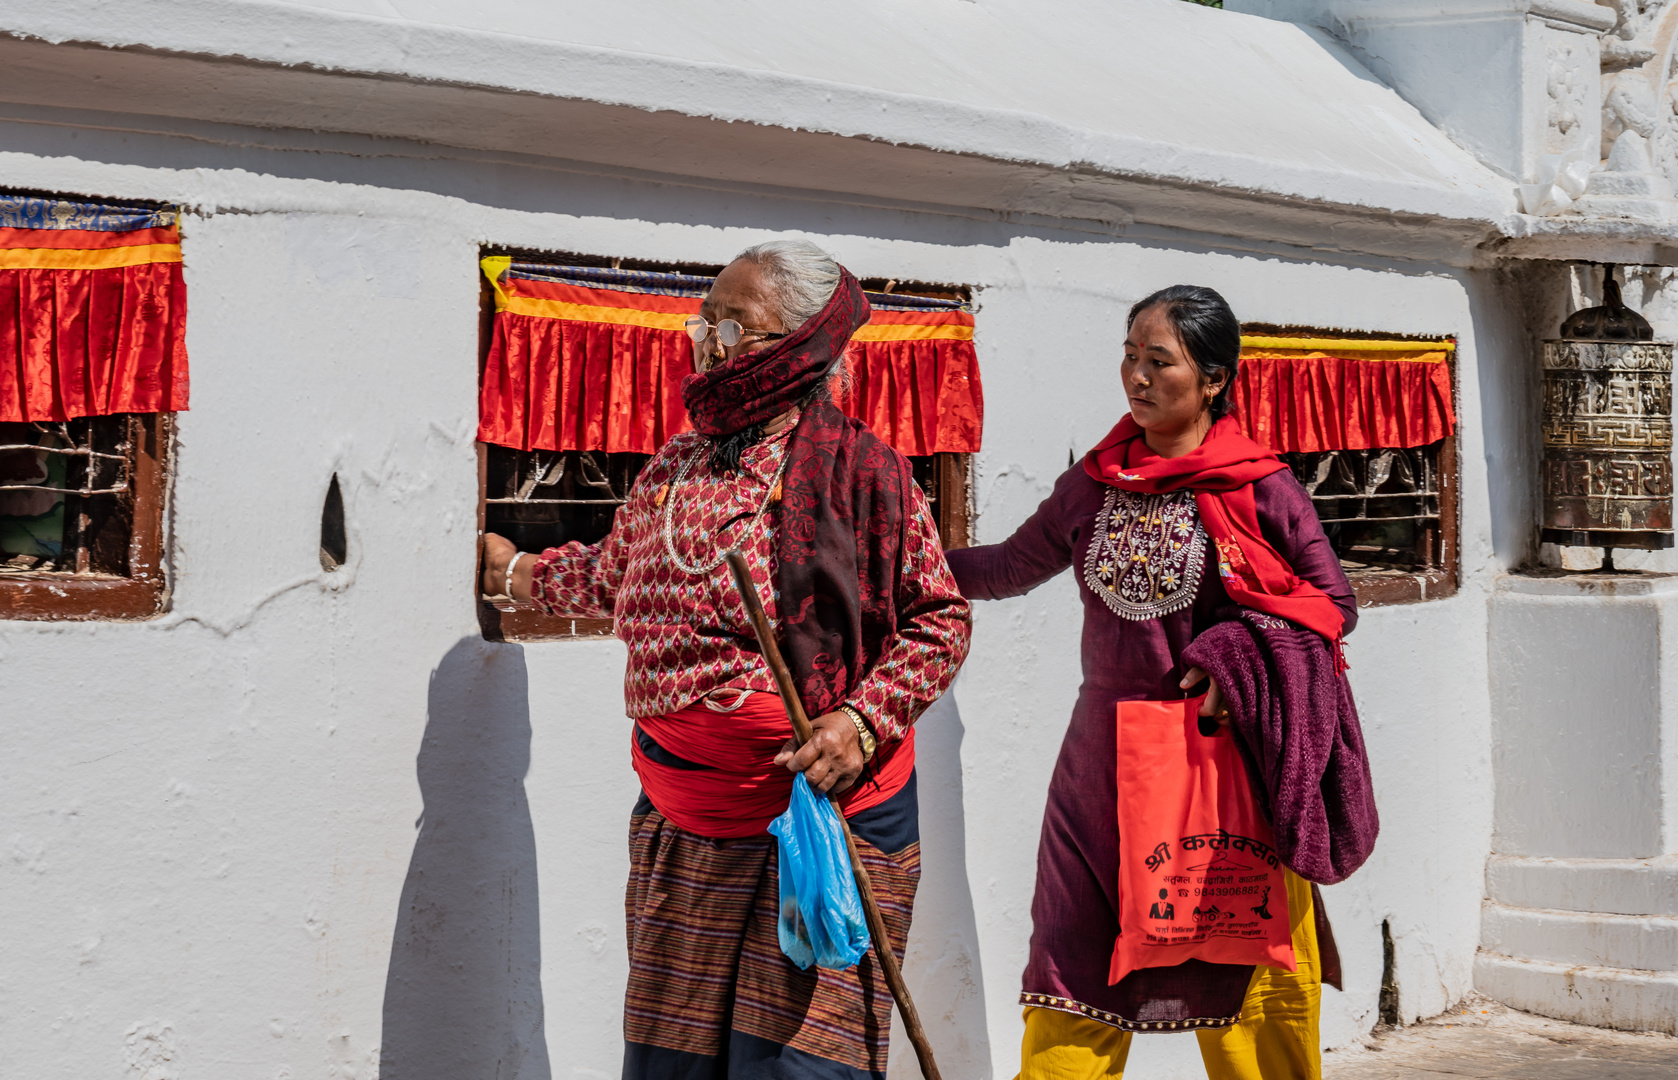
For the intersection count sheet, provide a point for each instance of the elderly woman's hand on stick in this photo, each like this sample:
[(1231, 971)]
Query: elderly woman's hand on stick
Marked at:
[(832, 760)]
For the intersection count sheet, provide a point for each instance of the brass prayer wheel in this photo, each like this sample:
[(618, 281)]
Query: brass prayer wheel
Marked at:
[(1607, 476)]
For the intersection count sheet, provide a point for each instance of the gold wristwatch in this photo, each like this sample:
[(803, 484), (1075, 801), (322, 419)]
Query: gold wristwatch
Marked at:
[(864, 737)]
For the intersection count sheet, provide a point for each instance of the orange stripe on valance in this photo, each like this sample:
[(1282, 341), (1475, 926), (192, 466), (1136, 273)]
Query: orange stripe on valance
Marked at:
[(110, 258), (92, 317), (889, 332), (579, 367), (596, 313), (1350, 394)]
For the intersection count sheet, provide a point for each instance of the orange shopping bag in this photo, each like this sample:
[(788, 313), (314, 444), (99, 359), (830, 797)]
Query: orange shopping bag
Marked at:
[(1199, 877)]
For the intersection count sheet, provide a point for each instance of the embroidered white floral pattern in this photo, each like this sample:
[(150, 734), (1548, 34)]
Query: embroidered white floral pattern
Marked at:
[(1147, 553)]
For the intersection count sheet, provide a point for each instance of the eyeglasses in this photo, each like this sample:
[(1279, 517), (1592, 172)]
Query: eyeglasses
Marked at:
[(729, 332)]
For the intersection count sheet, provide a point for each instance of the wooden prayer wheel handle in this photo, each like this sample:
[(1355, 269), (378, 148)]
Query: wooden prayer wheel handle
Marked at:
[(802, 733)]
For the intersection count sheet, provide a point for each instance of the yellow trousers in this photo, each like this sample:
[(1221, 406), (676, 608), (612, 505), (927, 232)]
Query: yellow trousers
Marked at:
[(1275, 1040)]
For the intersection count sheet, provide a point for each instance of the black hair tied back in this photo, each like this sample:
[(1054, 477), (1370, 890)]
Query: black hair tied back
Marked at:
[(1209, 331)]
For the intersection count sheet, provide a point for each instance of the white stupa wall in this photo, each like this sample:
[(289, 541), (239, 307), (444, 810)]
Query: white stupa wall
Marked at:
[(212, 815)]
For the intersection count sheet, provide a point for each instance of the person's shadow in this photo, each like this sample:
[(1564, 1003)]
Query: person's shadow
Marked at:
[(463, 997), (943, 966)]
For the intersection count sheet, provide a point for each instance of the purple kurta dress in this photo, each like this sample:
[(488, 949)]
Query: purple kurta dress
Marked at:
[(1127, 656)]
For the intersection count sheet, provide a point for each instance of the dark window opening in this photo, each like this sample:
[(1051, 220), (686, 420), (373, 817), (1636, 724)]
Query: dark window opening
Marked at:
[(1391, 515), (66, 497), (543, 498), (334, 542), (81, 517), (546, 498), (944, 478), (1381, 509)]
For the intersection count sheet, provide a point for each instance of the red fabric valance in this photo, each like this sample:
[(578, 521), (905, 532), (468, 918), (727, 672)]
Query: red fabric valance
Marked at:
[(1331, 394), (595, 361), (92, 311), (914, 380), (574, 368)]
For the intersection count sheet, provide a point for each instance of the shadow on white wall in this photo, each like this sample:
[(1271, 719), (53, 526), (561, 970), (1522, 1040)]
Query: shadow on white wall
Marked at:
[(943, 966), (463, 996)]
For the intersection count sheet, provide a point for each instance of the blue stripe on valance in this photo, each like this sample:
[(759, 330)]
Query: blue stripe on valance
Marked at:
[(29, 212)]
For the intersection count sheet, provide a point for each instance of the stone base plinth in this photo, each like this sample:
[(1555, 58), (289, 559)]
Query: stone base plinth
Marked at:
[(1584, 679), (1581, 916)]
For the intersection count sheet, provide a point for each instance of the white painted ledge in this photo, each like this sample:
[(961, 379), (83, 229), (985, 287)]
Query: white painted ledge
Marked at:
[(1589, 584), (1634, 942), (1612, 886), (1599, 996)]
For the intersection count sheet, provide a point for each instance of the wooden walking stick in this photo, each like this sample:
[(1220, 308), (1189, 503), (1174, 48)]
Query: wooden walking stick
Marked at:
[(802, 733)]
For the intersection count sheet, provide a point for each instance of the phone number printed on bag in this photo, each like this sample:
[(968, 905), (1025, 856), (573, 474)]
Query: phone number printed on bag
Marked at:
[(1223, 896)]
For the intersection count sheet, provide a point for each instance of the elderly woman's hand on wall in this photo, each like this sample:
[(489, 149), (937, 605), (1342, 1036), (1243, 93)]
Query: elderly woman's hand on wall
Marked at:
[(498, 552)]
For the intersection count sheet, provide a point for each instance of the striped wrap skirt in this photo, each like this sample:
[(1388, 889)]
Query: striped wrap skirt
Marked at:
[(712, 997)]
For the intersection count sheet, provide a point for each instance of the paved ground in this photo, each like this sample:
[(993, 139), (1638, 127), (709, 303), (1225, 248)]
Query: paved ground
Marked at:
[(1480, 1038)]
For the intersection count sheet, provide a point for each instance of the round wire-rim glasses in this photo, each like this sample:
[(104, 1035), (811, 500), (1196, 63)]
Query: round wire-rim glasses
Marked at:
[(729, 331)]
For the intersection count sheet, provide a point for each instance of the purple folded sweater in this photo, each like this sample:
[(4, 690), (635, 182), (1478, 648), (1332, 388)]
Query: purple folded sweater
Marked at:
[(1298, 729)]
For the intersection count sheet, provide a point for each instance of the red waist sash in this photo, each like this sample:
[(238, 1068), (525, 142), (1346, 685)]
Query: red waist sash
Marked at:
[(743, 790)]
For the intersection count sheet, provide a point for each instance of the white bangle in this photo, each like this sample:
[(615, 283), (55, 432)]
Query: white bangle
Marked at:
[(507, 575)]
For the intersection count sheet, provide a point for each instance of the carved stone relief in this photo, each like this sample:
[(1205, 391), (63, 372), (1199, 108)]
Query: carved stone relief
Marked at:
[(1569, 91), (1567, 107), (1639, 80)]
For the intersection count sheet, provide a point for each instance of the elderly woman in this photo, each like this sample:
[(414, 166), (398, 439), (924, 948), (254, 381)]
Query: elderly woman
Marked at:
[(1176, 524), (845, 554)]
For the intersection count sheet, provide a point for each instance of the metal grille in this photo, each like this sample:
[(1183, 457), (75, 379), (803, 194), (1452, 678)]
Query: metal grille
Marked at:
[(1379, 507), (65, 495), (545, 498), (100, 472)]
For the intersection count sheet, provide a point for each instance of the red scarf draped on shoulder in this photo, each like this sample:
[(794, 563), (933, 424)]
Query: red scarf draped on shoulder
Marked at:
[(841, 521), (1221, 472)]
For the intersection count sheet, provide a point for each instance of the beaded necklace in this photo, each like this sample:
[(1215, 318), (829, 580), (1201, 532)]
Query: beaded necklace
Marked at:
[(700, 570)]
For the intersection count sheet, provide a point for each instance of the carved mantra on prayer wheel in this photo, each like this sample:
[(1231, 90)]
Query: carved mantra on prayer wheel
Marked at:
[(1608, 444)]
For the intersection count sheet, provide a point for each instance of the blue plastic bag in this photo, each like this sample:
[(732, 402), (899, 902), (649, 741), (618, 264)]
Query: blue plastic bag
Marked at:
[(822, 921)]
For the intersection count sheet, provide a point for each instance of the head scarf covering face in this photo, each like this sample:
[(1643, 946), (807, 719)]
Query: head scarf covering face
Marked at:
[(754, 387)]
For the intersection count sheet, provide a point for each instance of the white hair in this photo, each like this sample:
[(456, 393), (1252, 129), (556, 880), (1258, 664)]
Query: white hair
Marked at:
[(801, 278)]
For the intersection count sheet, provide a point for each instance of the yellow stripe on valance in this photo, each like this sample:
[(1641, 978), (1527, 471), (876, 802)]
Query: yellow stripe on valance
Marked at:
[(1338, 346), (616, 316), (1392, 356), (912, 332), (84, 259)]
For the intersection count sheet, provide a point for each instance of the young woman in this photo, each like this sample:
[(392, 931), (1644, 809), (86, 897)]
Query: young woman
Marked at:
[(1129, 520)]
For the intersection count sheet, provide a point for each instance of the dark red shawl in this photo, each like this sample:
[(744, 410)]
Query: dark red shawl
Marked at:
[(843, 497), (1298, 730)]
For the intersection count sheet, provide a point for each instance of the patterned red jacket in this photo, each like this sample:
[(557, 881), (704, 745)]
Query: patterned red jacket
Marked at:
[(688, 635)]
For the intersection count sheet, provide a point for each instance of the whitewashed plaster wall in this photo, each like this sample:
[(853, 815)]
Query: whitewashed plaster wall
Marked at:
[(305, 820)]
